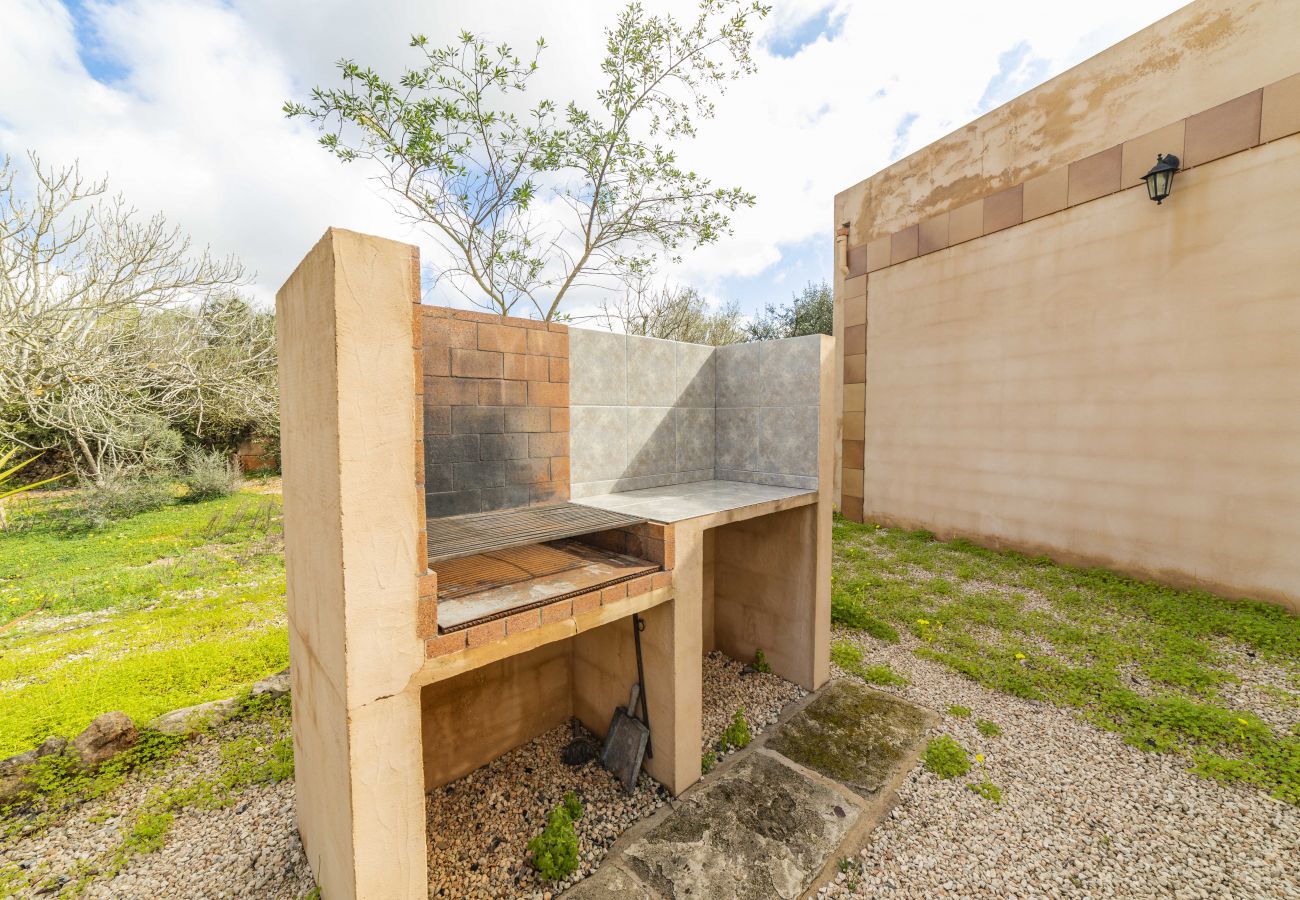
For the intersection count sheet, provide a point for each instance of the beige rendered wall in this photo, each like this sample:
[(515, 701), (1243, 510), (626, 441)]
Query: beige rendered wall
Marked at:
[(1116, 383), (1204, 54), (352, 556), (483, 713)]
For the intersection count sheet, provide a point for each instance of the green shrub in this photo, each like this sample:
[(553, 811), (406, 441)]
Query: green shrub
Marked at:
[(988, 728), (737, 735), (117, 497), (208, 475), (707, 762), (946, 758), (960, 712), (555, 850), (760, 662)]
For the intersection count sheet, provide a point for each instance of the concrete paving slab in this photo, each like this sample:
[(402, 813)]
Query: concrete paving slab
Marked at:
[(762, 829), (854, 735)]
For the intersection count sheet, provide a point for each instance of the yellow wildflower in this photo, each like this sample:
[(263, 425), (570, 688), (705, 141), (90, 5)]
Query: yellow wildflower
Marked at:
[(979, 757), (922, 621), (1020, 656)]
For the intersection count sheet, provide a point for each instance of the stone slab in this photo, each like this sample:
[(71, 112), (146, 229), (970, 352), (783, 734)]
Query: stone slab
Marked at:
[(854, 735), (761, 829)]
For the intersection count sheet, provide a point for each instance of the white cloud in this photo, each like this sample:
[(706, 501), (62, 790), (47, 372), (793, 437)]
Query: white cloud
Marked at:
[(189, 121)]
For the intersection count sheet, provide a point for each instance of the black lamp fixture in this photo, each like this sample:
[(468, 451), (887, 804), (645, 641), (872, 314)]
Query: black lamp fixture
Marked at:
[(1160, 180)]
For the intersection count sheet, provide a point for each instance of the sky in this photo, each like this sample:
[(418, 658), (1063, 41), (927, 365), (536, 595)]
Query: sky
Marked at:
[(178, 103)]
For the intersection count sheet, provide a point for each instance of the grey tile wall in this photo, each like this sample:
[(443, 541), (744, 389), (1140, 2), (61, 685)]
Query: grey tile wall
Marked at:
[(648, 413), (767, 412)]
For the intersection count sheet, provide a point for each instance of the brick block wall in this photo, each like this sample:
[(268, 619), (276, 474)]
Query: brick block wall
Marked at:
[(496, 412)]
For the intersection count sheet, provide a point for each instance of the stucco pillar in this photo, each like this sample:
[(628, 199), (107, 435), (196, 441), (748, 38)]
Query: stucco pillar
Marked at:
[(352, 555)]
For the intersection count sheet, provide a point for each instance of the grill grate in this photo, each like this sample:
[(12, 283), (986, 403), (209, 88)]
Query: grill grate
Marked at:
[(455, 536)]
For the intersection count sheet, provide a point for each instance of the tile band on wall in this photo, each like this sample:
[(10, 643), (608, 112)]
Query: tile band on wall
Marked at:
[(1263, 115)]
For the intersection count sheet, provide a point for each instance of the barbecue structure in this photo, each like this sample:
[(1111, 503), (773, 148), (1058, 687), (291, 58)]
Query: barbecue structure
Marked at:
[(477, 511)]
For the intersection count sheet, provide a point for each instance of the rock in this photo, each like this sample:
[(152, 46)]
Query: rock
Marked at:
[(194, 718), (104, 738), (13, 770), (274, 686)]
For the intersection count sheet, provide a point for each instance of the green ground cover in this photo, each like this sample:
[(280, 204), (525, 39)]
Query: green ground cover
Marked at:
[(1166, 669), (166, 609)]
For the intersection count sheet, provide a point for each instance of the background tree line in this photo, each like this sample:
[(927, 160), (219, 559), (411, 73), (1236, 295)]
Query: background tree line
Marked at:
[(122, 346)]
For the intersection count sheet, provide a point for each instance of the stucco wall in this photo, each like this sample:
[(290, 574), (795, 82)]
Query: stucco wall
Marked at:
[(1118, 382), (1202, 55)]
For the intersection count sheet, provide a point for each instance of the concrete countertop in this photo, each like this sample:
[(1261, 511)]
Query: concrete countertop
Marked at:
[(675, 502)]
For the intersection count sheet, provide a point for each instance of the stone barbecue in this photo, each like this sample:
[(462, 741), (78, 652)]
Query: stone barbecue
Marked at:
[(477, 506)]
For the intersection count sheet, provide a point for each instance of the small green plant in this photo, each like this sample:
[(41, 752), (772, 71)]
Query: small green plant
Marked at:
[(946, 758), (707, 761), (986, 789), (848, 656), (572, 806), (208, 474), (737, 735), (960, 712), (844, 864), (988, 728), (760, 662), (555, 850), (148, 833)]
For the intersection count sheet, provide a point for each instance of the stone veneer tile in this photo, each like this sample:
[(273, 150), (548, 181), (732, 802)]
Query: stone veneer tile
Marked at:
[(851, 479), (1280, 114), (1004, 209), (651, 441), (598, 374), (855, 396), (695, 369), (854, 453), (1095, 176), (855, 368), (966, 222), (1139, 154), (601, 434), (735, 432), (855, 287), (855, 340), (1227, 128), (695, 438), (788, 440), (651, 372), (1046, 193), (737, 370), (878, 253), (788, 371), (933, 234), (903, 244), (855, 311), (857, 260)]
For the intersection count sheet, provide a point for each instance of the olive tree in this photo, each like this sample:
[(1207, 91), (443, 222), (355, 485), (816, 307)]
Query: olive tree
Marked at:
[(674, 314), (457, 157), (115, 330)]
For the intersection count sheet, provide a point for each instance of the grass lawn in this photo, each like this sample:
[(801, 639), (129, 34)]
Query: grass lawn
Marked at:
[(1169, 670), (167, 609)]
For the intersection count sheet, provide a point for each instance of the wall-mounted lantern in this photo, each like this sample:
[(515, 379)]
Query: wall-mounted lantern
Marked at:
[(1160, 180)]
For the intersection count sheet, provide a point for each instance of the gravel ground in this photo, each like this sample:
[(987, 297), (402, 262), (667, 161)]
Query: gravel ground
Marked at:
[(479, 825), (521, 787), (247, 849), (1082, 814)]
